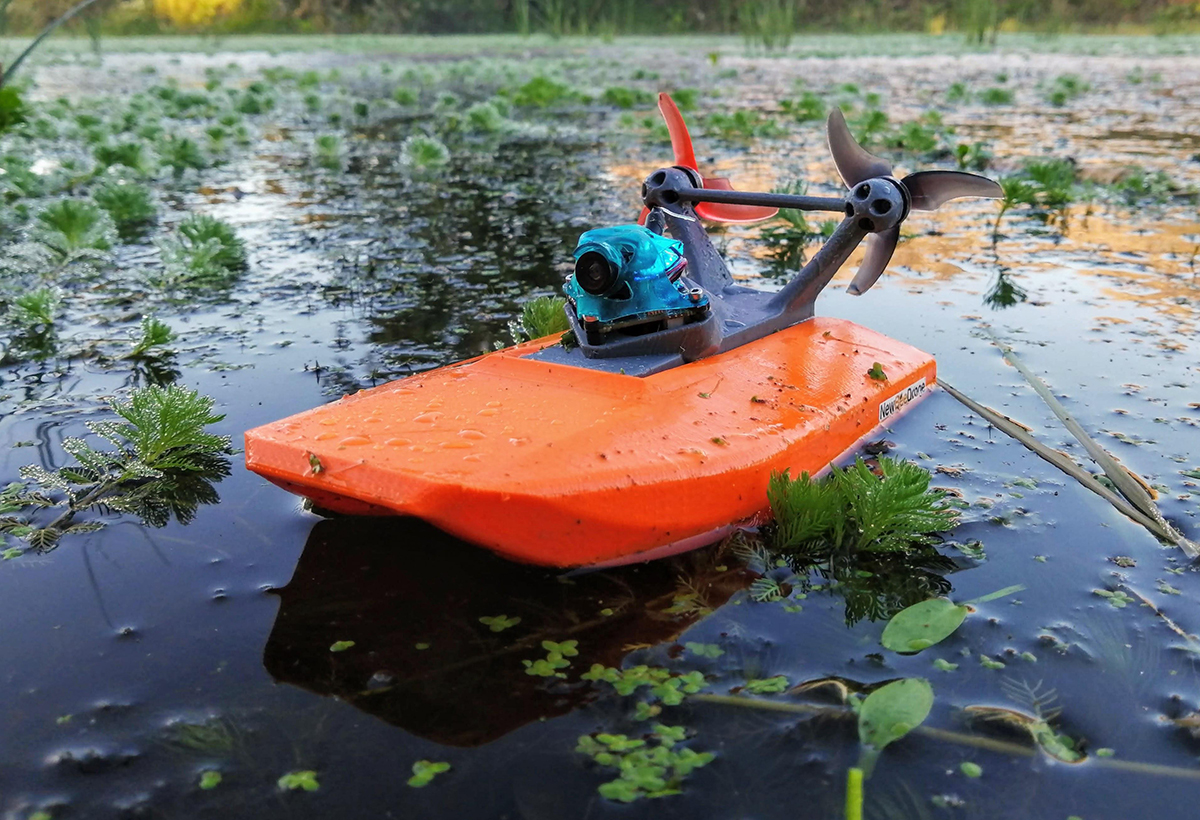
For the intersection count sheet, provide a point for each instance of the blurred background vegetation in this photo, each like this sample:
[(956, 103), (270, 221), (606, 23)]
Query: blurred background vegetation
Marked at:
[(769, 22)]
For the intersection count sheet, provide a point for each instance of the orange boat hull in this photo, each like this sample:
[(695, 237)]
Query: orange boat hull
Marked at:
[(564, 466)]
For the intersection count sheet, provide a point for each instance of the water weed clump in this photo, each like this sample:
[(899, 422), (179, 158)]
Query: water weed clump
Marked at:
[(153, 340), (487, 118), (542, 316), (182, 154), (421, 152), (131, 155), (855, 510), (161, 466), (35, 312), (74, 226), (328, 151), (789, 235), (741, 124), (542, 92), (1065, 88), (130, 206), (13, 110), (200, 229), (203, 251), (808, 108)]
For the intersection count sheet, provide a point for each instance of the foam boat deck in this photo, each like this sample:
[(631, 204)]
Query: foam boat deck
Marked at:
[(560, 465)]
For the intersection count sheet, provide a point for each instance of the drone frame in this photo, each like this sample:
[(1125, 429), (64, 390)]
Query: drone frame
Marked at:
[(874, 206)]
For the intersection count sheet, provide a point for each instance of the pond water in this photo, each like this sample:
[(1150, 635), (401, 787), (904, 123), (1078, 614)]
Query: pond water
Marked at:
[(139, 659)]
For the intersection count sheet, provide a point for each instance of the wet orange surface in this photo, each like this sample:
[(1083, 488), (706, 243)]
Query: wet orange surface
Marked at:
[(559, 465)]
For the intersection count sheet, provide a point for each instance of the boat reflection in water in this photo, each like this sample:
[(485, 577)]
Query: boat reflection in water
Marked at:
[(411, 598)]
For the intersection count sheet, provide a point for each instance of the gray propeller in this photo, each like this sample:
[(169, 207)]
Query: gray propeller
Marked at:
[(923, 191)]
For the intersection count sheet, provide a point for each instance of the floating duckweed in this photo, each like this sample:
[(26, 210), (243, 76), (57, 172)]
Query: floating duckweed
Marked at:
[(424, 771)]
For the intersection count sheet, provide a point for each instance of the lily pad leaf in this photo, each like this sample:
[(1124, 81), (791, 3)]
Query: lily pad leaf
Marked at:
[(892, 711), (922, 625)]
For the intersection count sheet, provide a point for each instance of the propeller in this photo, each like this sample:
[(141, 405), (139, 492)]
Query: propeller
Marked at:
[(922, 191), (685, 157)]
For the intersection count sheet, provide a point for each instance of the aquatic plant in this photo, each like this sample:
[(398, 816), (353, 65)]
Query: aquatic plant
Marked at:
[(486, 118), (13, 111), (182, 154), (789, 235), (423, 152), (328, 150), (405, 96), (541, 316), (854, 510), (808, 108), (161, 467), (305, 780), (541, 92), (201, 230), (35, 311), (1065, 88), (70, 226), (974, 157), (130, 206), (424, 771), (922, 625), (996, 96), (624, 97), (649, 766), (130, 155), (154, 334), (741, 124)]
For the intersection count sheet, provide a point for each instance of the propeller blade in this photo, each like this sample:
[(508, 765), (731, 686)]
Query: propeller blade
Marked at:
[(734, 214), (681, 140), (932, 189), (854, 163), (880, 247)]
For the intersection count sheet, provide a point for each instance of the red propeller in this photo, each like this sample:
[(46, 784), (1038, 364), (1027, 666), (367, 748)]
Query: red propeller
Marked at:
[(685, 157)]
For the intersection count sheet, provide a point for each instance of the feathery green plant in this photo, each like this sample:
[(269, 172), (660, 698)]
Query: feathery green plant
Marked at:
[(155, 334), (162, 465), (855, 510), (644, 770), (73, 225), (540, 317), (201, 230), (181, 154), (35, 311), (327, 149), (420, 152), (13, 111), (130, 206), (132, 155)]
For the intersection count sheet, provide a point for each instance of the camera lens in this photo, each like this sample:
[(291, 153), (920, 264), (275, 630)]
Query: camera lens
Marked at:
[(595, 274)]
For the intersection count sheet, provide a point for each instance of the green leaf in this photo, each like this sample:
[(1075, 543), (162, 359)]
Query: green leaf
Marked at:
[(922, 625), (425, 771), (306, 780), (892, 711), (499, 623), (704, 650), (341, 646), (210, 779), (767, 685), (970, 769)]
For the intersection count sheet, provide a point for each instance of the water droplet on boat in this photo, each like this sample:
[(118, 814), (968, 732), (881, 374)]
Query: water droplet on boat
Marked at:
[(493, 404), (328, 421), (427, 418), (372, 419), (354, 441), (326, 436), (488, 411), (455, 445), (472, 434), (398, 442)]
